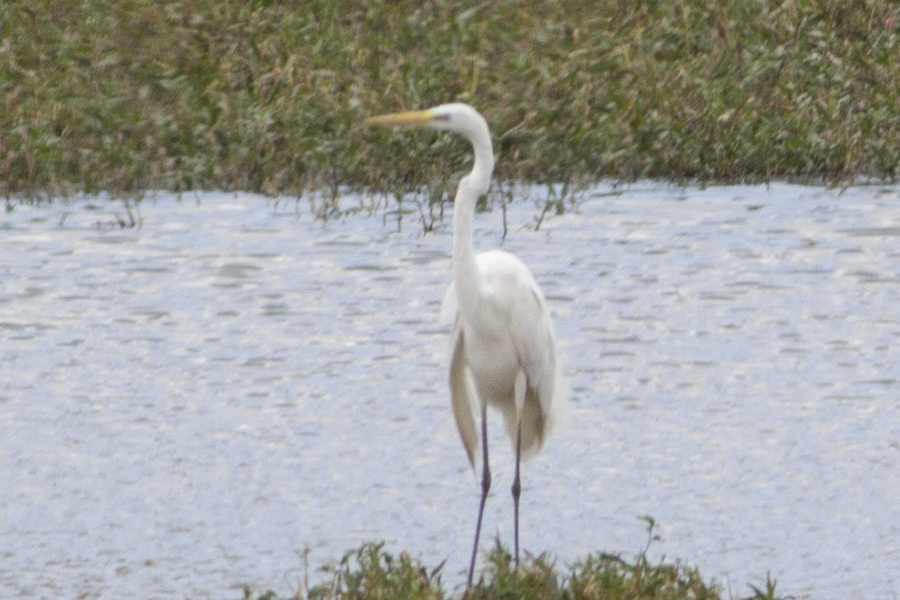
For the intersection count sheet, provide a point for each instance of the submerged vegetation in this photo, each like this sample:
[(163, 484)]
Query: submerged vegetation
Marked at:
[(371, 573), (268, 95)]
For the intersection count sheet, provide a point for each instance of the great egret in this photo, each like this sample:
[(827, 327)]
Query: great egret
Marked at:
[(504, 351)]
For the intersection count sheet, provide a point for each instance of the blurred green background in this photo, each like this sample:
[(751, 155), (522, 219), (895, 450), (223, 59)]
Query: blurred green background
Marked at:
[(268, 96)]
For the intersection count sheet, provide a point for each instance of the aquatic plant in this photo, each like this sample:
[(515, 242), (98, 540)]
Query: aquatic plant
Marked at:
[(270, 96)]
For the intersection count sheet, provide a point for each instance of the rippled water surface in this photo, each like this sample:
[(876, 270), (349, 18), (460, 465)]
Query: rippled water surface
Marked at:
[(188, 406)]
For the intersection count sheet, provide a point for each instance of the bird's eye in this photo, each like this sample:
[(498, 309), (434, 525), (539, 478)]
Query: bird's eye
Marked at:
[(441, 117)]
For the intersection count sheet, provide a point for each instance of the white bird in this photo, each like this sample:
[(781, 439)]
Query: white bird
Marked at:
[(504, 351)]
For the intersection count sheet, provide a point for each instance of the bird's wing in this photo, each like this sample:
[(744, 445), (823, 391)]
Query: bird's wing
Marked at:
[(532, 335), (460, 394), (517, 306), (533, 338)]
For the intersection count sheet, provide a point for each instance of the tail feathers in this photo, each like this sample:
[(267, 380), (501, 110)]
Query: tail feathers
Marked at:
[(535, 424), (461, 395)]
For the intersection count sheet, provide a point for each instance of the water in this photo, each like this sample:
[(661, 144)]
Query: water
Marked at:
[(188, 406)]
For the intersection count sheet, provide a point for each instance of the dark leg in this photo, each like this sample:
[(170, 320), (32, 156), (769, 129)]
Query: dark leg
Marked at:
[(485, 488), (516, 492)]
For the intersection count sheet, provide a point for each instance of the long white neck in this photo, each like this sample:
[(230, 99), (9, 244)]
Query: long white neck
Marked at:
[(471, 187)]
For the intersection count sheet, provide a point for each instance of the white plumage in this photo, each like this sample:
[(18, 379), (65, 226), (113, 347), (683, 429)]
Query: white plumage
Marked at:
[(504, 351)]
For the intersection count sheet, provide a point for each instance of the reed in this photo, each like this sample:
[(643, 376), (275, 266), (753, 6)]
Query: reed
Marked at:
[(269, 96)]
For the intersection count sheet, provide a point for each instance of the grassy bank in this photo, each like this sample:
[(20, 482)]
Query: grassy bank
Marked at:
[(371, 573), (126, 95)]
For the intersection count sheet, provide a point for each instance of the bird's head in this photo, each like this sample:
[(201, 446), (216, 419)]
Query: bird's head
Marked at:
[(455, 117), (461, 119)]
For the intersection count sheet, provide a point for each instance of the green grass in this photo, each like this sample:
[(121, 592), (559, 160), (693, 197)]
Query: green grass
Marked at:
[(264, 95), (371, 573)]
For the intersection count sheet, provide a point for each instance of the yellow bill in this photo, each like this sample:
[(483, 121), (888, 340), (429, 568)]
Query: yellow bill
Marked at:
[(411, 117)]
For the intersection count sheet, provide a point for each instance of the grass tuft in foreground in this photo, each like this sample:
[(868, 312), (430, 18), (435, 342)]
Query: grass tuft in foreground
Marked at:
[(370, 573)]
